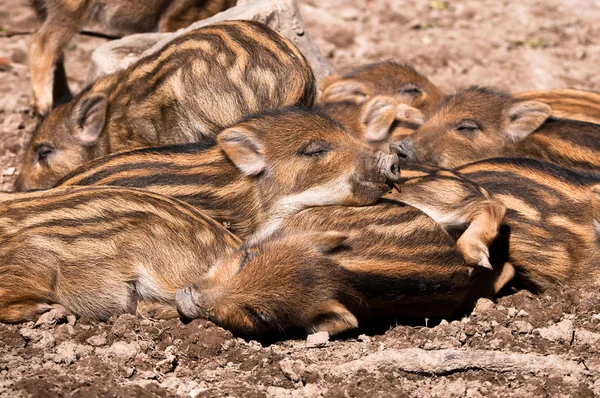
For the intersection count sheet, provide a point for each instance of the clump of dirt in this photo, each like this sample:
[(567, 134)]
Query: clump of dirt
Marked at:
[(521, 345)]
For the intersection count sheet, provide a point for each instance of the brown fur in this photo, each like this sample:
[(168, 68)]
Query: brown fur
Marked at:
[(568, 103), (379, 121), (194, 87), (457, 204), (380, 103), (399, 81), (97, 251), (480, 123), (385, 260), (64, 18), (548, 234), (261, 171)]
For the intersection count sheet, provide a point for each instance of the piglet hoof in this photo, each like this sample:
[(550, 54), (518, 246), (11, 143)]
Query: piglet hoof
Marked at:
[(476, 253)]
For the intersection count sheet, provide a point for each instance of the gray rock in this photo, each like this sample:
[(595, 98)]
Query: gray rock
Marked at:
[(280, 15)]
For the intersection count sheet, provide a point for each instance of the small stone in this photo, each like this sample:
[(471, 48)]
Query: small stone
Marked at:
[(66, 353), (8, 172), (292, 369), (123, 351), (52, 317), (97, 340), (561, 332), (364, 338), (512, 312), (319, 339), (522, 313), (523, 327), (41, 339), (583, 336)]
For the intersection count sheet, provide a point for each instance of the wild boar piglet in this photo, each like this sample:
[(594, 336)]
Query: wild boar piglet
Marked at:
[(99, 251), (382, 260), (380, 103), (260, 171), (64, 18), (399, 81), (480, 123), (191, 89)]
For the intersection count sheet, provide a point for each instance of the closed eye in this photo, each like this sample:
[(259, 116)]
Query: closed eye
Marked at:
[(467, 126), (410, 89), (316, 148), (42, 152)]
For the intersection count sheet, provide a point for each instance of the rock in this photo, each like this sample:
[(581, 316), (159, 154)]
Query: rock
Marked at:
[(52, 317), (292, 369), (66, 353), (120, 350), (41, 339), (523, 327), (364, 338), (561, 332), (280, 15), (97, 340), (583, 336), (319, 339)]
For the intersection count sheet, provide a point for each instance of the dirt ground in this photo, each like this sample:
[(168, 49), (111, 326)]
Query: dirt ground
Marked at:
[(521, 345)]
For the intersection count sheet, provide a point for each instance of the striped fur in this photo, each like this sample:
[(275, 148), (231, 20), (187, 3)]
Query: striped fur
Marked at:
[(568, 103), (332, 265), (64, 18), (200, 83), (549, 234), (479, 123), (345, 171), (97, 251)]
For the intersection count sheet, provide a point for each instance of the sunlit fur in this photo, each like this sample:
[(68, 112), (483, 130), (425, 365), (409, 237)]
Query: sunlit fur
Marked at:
[(350, 172), (549, 235), (97, 251), (64, 18), (568, 103), (384, 260), (497, 132), (198, 84)]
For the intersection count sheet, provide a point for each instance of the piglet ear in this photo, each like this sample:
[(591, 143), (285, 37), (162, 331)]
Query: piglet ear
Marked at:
[(407, 113), (524, 117), (377, 117), (244, 149), (88, 117), (326, 242), (333, 318), (343, 90)]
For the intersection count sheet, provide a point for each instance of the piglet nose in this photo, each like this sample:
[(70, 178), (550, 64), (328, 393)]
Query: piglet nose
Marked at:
[(403, 149), (388, 163)]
